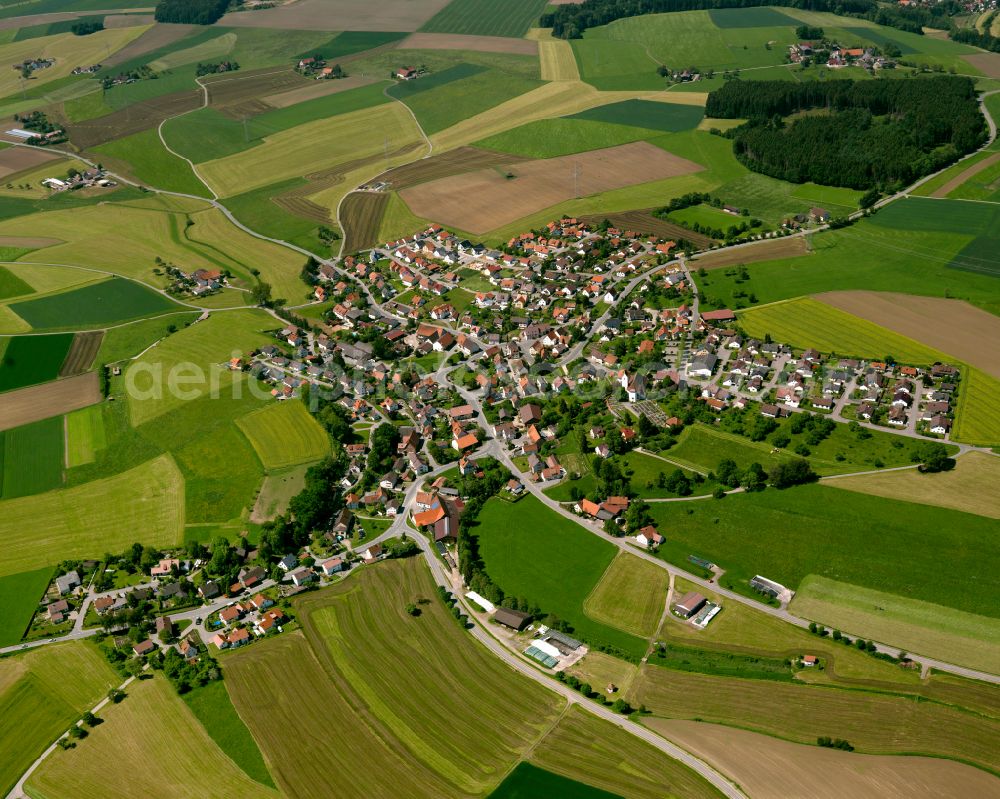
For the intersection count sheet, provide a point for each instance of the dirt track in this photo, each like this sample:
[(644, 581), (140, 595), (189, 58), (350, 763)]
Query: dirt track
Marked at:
[(487, 199), (965, 174), (952, 326), (31, 404)]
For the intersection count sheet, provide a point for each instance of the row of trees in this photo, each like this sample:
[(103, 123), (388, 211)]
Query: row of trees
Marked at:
[(883, 133)]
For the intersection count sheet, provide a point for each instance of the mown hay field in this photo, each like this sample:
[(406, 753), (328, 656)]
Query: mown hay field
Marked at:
[(51, 686), (150, 733), (285, 434), (145, 503), (873, 723), (590, 750), (923, 628), (769, 768), (631, 595), (56, 397), (143, 156), (487, 199), (361, 217), (807, 323), (557, 60), (968, 487), (556, 571), (977, 420), (206, 346), (312, 147)]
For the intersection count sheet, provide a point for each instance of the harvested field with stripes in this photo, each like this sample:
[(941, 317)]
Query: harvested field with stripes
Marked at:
[(313, 89), (331, 15), (767, 250), (81, 353), (49, 399), (231, 91), (360, 217), (487, 199), (644, 222), (462, 41), (158, 36), (453, 162), (134, 118)]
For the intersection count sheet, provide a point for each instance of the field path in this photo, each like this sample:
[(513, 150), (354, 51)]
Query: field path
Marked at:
[(964, 175)]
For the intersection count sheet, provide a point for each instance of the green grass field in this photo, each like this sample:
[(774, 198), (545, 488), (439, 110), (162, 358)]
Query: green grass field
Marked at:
[(129, 340), (808, 323), (105, 303), (484, 18), (19, 597), (207, 134), (549, 138), (152, 733), (351, 42), (631, 595), (978, 416), (28, 360), (285, 434), (463, 91), (812, 530), (926, 628), (532, 552), (51, 686), (10, 284), (666, 117), (33, 458), (144, 503), (151, 164), (705, 215), (527, 780), (84, 435), (212, 707)]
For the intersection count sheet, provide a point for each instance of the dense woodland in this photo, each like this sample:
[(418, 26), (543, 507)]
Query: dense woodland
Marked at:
[(191, 12), (880, 133)]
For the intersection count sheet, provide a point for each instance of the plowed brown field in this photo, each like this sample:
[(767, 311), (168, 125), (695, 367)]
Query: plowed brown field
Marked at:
[(767, 250), (644, 222), (30, 404), (81, 353)]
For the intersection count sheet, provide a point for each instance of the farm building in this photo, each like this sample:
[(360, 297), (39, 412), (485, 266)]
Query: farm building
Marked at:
[(514, 619), (689, 604), (765, 586)]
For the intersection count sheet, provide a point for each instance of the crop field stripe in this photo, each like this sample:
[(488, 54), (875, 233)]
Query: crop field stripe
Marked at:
[(486, 18), (29, 360), (104, 303), (85, 435), (667, 117), (81, 353), (977, 420), (361, 217), (285, 434)]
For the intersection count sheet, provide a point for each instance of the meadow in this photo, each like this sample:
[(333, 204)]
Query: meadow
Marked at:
[(108, 302), (52, 686), (212, 707), (127, 341), (10, 284), (33, 458), (285, 434), (666, 117), (809, 530), (484, 18), (87, 520), (314, 146), (19, 597), (924, 628), (532, 552), (631, 595), (977, 418), (153, 733), (145, 159), (807, 323), (550, 138), (528, 780), (28, 360)]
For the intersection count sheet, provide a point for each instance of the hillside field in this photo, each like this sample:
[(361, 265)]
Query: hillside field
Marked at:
[(27, 360), (19, 596), (631, 595), (484, 18), (557, 570), (104, 303)]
